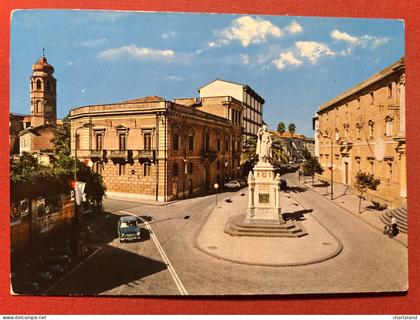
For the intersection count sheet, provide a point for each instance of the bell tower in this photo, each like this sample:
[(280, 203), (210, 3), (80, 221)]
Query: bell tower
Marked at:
[(43, 93)]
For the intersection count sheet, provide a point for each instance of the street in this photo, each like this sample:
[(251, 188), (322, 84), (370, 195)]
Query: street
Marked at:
[(167, 261)]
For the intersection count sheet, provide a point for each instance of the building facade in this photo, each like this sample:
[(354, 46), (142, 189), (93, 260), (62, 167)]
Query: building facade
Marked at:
[(296, 146), (159, 150), (253, 103), (363, 129)]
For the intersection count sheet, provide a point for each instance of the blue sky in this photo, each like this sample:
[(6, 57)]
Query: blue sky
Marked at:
[(295, 63)]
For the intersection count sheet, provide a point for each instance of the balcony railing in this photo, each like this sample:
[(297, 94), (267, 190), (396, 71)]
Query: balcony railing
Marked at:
[(119, 154), (145, 155), (97, 153)]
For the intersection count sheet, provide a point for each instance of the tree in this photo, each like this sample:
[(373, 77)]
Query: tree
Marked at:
[(64, 166), (249, 157), (363, 182), (311, 167), (281, 128), (292, 128)]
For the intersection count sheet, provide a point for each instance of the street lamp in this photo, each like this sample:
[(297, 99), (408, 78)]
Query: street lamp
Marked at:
[(331, 167), (216, 186)]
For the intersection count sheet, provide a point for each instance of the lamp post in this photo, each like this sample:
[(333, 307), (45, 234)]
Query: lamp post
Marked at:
[(216, 186), (331, 167)]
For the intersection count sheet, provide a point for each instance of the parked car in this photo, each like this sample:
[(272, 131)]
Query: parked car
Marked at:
[(128, 228), (241, 182), (233, 184)]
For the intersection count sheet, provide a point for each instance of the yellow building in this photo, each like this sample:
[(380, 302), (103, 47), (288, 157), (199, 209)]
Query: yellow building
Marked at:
[(364, 129), (153, 149)]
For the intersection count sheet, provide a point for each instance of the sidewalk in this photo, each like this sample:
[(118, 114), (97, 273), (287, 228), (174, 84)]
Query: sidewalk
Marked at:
[(319, 245), (344, 198)]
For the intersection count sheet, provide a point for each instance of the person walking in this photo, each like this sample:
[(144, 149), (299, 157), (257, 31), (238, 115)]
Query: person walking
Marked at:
[(394, 226)]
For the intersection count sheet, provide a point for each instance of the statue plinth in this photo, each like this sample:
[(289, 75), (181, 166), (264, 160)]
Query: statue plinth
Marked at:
[(264, 195)]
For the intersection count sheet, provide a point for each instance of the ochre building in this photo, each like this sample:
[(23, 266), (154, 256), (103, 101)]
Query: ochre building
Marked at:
[(151, 148), (364, 129)]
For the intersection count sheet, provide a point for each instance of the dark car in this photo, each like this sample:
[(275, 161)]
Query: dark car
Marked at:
[(128, 228)]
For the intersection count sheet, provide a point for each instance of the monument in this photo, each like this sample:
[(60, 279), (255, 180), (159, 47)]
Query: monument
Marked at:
[(264, 185), (263, 217)]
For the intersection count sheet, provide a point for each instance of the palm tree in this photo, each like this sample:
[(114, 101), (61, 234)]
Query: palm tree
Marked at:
[(292, 128), (281, 128), (249, 157)]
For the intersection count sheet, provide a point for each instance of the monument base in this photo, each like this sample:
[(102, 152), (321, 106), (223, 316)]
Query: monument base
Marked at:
[(264, 196), (236, 227)]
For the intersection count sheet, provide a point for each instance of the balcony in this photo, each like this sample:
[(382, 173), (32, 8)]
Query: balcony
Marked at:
[(97, 154), (145, 155), (119, 154)]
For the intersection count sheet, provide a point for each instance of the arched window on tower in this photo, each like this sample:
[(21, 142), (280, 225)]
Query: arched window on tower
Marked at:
[(38, 84), (38, 106)]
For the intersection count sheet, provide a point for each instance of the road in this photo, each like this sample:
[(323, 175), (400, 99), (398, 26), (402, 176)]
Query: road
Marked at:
[(167, 262)]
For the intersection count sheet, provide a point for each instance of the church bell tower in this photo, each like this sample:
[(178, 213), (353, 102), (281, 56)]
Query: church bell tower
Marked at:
[(43, 93)]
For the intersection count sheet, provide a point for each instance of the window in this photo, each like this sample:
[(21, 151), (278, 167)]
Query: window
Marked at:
[(337, 134), (206, 141), (190, 167), (371, 129), (389, 172), (175, 142), (218, 144), (175, 169), (191, 141), (359, 131), (390, 91), (147, 141), (122, 141), (389, 126), (98, 167), (47, 86), (38, 84), (146, 169), (372, 98), (121, 169), (99, 141), (226, 145)]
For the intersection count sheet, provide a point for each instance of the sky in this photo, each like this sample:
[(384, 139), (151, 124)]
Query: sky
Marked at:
[(295, 63)]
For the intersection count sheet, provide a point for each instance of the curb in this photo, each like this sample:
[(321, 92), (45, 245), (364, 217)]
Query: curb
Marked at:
[(353, 214), (313, 261)]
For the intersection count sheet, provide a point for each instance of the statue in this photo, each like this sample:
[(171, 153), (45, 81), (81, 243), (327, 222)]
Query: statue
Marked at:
[(264, 143)]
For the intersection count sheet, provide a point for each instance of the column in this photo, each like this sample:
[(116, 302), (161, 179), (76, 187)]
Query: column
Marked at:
[(402, 105)]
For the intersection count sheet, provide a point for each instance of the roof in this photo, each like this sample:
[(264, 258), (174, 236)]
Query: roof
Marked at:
[(145, 99), (245, 86), (400, 64), (35, 130)]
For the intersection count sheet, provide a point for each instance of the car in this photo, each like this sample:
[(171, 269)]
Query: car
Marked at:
[(241, 182), (128, 228), (233, 184)]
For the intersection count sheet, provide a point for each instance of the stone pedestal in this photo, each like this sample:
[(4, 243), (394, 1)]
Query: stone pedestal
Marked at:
[(264, 196)]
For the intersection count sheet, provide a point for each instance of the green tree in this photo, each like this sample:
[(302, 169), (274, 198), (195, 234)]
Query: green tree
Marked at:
[(281, 128), (363, 182), (292, 128), (249, 158), (64, 166), (312, 166)]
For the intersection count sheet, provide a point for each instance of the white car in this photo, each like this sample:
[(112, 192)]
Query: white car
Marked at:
[(242, 183), (232, 184)]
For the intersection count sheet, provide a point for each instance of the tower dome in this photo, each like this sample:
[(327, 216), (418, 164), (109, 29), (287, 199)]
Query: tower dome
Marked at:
[(43, 66)]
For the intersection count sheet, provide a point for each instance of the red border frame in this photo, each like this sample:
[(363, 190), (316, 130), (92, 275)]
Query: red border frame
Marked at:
[(316, 304)]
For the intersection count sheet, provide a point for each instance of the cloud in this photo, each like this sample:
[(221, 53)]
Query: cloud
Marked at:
[(167, 35), (95, 42), (245, 58), (286, 58), (362, 41), (246, 30), (343, 36), (173, 78), (313, 50), (136, 52), (294, 27)]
